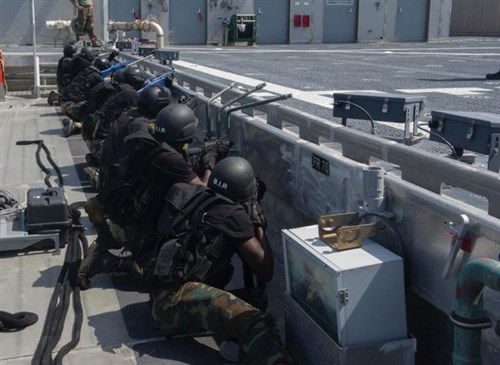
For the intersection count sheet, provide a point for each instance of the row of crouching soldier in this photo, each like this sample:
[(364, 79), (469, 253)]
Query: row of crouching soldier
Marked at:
[(180, 228)]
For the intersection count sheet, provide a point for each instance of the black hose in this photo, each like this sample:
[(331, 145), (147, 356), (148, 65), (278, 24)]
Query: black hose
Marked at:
[(363, 110), (453, 152), (41, 145)]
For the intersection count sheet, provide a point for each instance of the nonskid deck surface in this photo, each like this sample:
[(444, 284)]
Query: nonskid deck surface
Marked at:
[(117, 327)]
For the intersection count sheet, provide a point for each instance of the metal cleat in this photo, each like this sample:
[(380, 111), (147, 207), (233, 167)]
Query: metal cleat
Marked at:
[(340, 231)]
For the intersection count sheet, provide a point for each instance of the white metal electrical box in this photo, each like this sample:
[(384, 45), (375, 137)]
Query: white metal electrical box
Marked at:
[(356, 296)]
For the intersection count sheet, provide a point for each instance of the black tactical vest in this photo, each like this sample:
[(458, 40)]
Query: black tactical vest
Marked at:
[(189, 248)]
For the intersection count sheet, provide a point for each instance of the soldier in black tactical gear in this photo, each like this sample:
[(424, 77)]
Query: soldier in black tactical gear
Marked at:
[(137, 121), (200, 229), (122, 95), (81, 61), (132, 194), (149, 103), (62, 73), (74, 100)]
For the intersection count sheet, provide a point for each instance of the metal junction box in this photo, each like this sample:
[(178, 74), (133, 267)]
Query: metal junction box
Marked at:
[(399, 108), (478, 132), (355, 296), (396, 108), (166, 56), (146, 50), (132, 47)]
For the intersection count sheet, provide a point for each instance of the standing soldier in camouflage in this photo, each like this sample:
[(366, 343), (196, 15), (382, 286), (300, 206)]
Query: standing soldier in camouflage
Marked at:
[(84, 22)]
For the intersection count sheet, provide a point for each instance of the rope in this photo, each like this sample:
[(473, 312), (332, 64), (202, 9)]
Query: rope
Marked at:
[(41, 146), (16, 321), (66, 287)]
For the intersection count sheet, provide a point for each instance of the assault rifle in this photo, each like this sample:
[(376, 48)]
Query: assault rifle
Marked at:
[(190, 101), (165, 79), (119, 66), (206, 156), (114, 68)]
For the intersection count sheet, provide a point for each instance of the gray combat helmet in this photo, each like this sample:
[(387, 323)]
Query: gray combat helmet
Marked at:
[(233, 177), (154, 98), (175, 123)]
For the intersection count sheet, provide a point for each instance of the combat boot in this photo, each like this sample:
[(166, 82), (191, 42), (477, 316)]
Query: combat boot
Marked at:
[(230, 350), (91, 160), (495, 76), (93, 175), (100, 260), (68, 127), (53, 98)]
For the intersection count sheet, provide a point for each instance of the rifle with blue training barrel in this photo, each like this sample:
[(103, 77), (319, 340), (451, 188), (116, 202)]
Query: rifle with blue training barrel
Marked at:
[(119, 66), (114, 68), (165, 79)]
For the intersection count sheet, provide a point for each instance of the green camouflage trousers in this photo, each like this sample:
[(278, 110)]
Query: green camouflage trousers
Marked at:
[(84, 23), (194, 307), (73, 110), (95, 147)]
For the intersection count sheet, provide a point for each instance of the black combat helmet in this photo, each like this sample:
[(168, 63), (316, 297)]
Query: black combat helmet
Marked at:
[(88, 53), (175, 123), (117, 77), (154, 98), (135, 77), (102, 63), (69, 50), (233, 177)]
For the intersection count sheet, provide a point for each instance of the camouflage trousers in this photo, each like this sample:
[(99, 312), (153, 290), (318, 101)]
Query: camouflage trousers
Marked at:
[(84, 23), (195, 306), (74, 109), (95, 147)]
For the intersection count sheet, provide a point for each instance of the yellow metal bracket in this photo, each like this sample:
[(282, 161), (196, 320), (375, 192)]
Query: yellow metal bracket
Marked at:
[(340, 231)]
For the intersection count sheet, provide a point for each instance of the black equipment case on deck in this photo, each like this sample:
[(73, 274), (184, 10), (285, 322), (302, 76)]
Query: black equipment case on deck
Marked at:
[(47, 210)]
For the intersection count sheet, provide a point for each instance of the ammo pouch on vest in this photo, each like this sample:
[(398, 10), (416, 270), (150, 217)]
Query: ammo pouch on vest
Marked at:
[(116, 196)]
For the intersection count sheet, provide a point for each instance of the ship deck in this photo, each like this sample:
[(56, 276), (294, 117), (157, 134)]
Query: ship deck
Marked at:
[(117, 327), (117, 324)]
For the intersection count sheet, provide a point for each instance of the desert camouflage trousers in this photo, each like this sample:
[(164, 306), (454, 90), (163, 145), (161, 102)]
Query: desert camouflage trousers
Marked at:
[(84, 22), (195, 306)]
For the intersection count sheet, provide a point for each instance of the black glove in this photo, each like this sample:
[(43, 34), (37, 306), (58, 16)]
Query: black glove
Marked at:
[(261, 188), (212, 154), (254, 210), (113, 54)]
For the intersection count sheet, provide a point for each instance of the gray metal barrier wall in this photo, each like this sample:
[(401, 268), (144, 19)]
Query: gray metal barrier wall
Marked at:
[(280, 141)]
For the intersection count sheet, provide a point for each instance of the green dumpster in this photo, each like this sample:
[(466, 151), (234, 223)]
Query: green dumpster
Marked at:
[(242, 28)]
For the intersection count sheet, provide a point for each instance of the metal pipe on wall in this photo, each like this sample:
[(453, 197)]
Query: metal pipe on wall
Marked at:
[(468, 316), (148, 25)]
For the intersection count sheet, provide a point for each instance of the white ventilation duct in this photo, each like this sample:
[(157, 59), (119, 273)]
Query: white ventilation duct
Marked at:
[(148, 25)]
